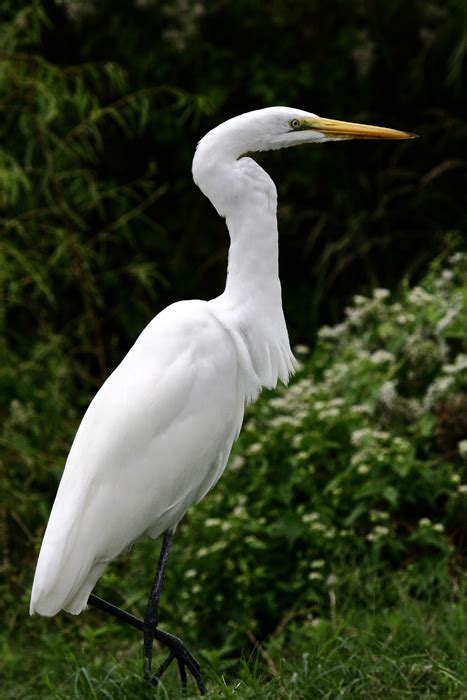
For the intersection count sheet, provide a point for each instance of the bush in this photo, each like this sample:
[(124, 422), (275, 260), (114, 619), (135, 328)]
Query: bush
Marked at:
[(358, 463)]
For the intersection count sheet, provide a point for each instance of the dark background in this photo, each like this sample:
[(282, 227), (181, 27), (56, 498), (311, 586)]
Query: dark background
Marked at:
[(352, 215)]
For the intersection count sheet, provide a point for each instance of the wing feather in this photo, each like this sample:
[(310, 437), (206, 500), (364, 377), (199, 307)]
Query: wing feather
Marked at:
[(154, 439)]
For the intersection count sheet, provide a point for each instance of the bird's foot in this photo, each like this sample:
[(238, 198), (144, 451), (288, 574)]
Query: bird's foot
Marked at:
[(185, 660)]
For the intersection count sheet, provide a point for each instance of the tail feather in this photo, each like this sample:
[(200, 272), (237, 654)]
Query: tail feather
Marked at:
[(77, 602), (57, 584), (65, 564)]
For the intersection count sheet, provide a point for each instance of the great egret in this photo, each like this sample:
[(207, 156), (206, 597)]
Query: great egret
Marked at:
[(157, 435)]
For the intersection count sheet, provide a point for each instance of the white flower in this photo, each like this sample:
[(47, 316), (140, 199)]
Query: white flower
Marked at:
[(331, 580), (297, 441), (363, 469), (278, 402), (376, 515), (336, 402), (462, 488), (305, 385), (380, 357), (318, 564), (191, 573), (315, 576), (437, 390), (254, 448), (278, 422), (293, 392), (213, 522), (419, 296), (381, 530), (217, 546), (381, 293), (401, 444), (455, 478), (424, 522), (301, 349), (460, 364), (439, 527), (310, 517), (301, 415), (336, 372), (361, 409), (462, 447), (359, 436), (328, 413), (330, 333), (449, 316), (237, 462), (359, 300)]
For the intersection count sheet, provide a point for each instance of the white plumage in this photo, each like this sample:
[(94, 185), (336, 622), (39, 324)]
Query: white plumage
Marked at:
[(132, 467), (158, 434)]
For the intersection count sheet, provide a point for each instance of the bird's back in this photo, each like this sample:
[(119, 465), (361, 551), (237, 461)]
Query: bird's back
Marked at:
[(155, 438)]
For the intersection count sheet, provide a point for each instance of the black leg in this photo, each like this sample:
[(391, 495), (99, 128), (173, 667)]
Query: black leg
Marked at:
[(177, 650), (151, 616), (173, 643)]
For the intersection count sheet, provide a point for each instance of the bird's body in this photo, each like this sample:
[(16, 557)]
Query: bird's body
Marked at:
[(132, 468), (158, 434)]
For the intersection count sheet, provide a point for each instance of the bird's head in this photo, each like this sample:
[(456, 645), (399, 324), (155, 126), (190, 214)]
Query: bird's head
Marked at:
[(280, 127)]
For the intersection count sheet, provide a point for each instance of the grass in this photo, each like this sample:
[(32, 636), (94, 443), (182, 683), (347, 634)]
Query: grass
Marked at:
[(411, 650)]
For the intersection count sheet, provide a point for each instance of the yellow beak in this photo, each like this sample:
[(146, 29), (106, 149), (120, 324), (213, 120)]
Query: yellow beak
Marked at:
[(351, 130)]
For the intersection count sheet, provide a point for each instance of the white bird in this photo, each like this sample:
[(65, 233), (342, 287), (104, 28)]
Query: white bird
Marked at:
[(157, 435)]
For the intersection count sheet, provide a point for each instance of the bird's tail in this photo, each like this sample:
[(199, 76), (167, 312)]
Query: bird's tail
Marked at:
[(67, 569), (63, 584)]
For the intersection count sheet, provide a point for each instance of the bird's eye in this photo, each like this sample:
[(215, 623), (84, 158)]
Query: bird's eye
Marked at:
[(294, 123)]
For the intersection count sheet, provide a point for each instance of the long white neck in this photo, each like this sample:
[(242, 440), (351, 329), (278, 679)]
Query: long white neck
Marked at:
[(251, 305)]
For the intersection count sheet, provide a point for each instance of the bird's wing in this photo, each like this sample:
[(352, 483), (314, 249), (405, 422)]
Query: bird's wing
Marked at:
[(154, 439)]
